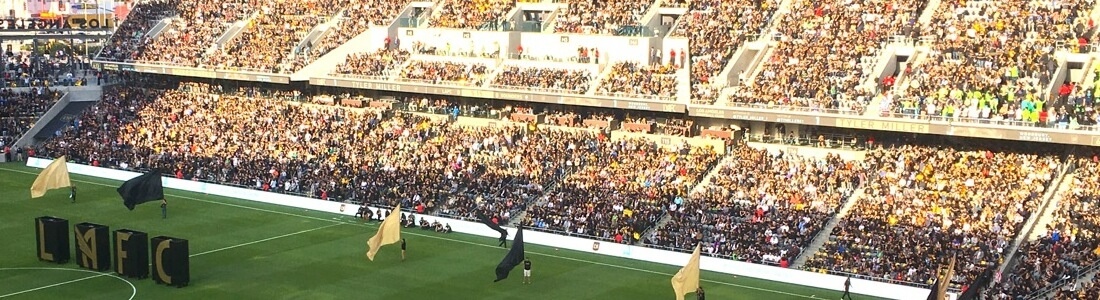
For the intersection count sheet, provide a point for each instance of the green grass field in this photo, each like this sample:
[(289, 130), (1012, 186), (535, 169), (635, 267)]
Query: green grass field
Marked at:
[(247, 250)]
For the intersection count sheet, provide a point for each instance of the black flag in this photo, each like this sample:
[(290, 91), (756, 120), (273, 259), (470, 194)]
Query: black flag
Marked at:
[(935, 287), (485, 220), (141, 189), (978, 284), (514, 258)]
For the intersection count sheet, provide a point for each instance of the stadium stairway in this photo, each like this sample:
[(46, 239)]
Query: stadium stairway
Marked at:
[(231, 33), (827, 232), (769, 33), (317, 33), (929, 12), (160, 27), (61, 113), (695, 189), (1039, 229), (1036, 226), (875, 106), (367, 41), (488, 83), (762, 46), (683, 82), (604, 74)]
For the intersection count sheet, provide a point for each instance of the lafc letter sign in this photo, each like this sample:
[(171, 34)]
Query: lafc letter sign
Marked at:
[(93, 251), (171, 262), (131, 253)]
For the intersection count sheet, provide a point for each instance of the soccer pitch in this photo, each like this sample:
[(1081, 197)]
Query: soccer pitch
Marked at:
[(247, 250)]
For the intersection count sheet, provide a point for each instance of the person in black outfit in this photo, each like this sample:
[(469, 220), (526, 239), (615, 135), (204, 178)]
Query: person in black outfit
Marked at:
[(72, 193), (402, 249), (503, 239), (527, 270), (847, 286), (699, 294), (361, 213)]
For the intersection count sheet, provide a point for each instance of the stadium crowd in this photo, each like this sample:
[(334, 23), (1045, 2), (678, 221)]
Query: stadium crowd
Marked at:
[(818, 63), (451, 72), (357, 18), (266, 42), (371, 155), (971, 76), (29, 69), (716, 29), (1087, 290), (620, 189), (199, 25), (637, 80), (600, 16), (19, 110), (922, 204), (1071, 240), (129, 39), (558, 80), (475, 14), (372, 64), (761, 207)]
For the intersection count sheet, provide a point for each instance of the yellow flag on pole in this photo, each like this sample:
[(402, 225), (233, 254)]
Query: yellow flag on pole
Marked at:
[(686, 281), (388, 233), (54, 176)]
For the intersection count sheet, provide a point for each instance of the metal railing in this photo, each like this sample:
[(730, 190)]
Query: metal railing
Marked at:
[(793, 108), (1013, 123), (161, 63), (386, 75), (537, 89), (550, 58), (1061, 283), (468, 82)]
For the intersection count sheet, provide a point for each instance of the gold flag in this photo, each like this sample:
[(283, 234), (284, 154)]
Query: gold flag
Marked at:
[(54, 176), (687, 279), (941, 293), (388, 233)]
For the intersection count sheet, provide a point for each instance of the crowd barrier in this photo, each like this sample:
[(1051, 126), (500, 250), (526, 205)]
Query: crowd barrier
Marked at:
[(791, 276)]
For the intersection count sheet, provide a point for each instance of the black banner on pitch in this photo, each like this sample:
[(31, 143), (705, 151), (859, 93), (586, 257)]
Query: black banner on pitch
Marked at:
[(131, 253), (93, 246), (171, 262), (53, 239)]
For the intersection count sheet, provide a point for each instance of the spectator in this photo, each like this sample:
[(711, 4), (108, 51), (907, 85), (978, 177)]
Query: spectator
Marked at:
[(632, 80), (1002, 79), (620, 187), (759, 207), (925, 204), (265, 45), (440, 72), (544, 79), (378, 63), (475, 14), (1070, 242), (716, 29), (357, 18), (20, 110), (601, 17), (199, 25), (820, 62), (129, 38)]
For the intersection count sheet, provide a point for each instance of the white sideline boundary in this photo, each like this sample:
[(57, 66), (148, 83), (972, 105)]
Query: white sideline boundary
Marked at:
[(133, 288), (338, 222)]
